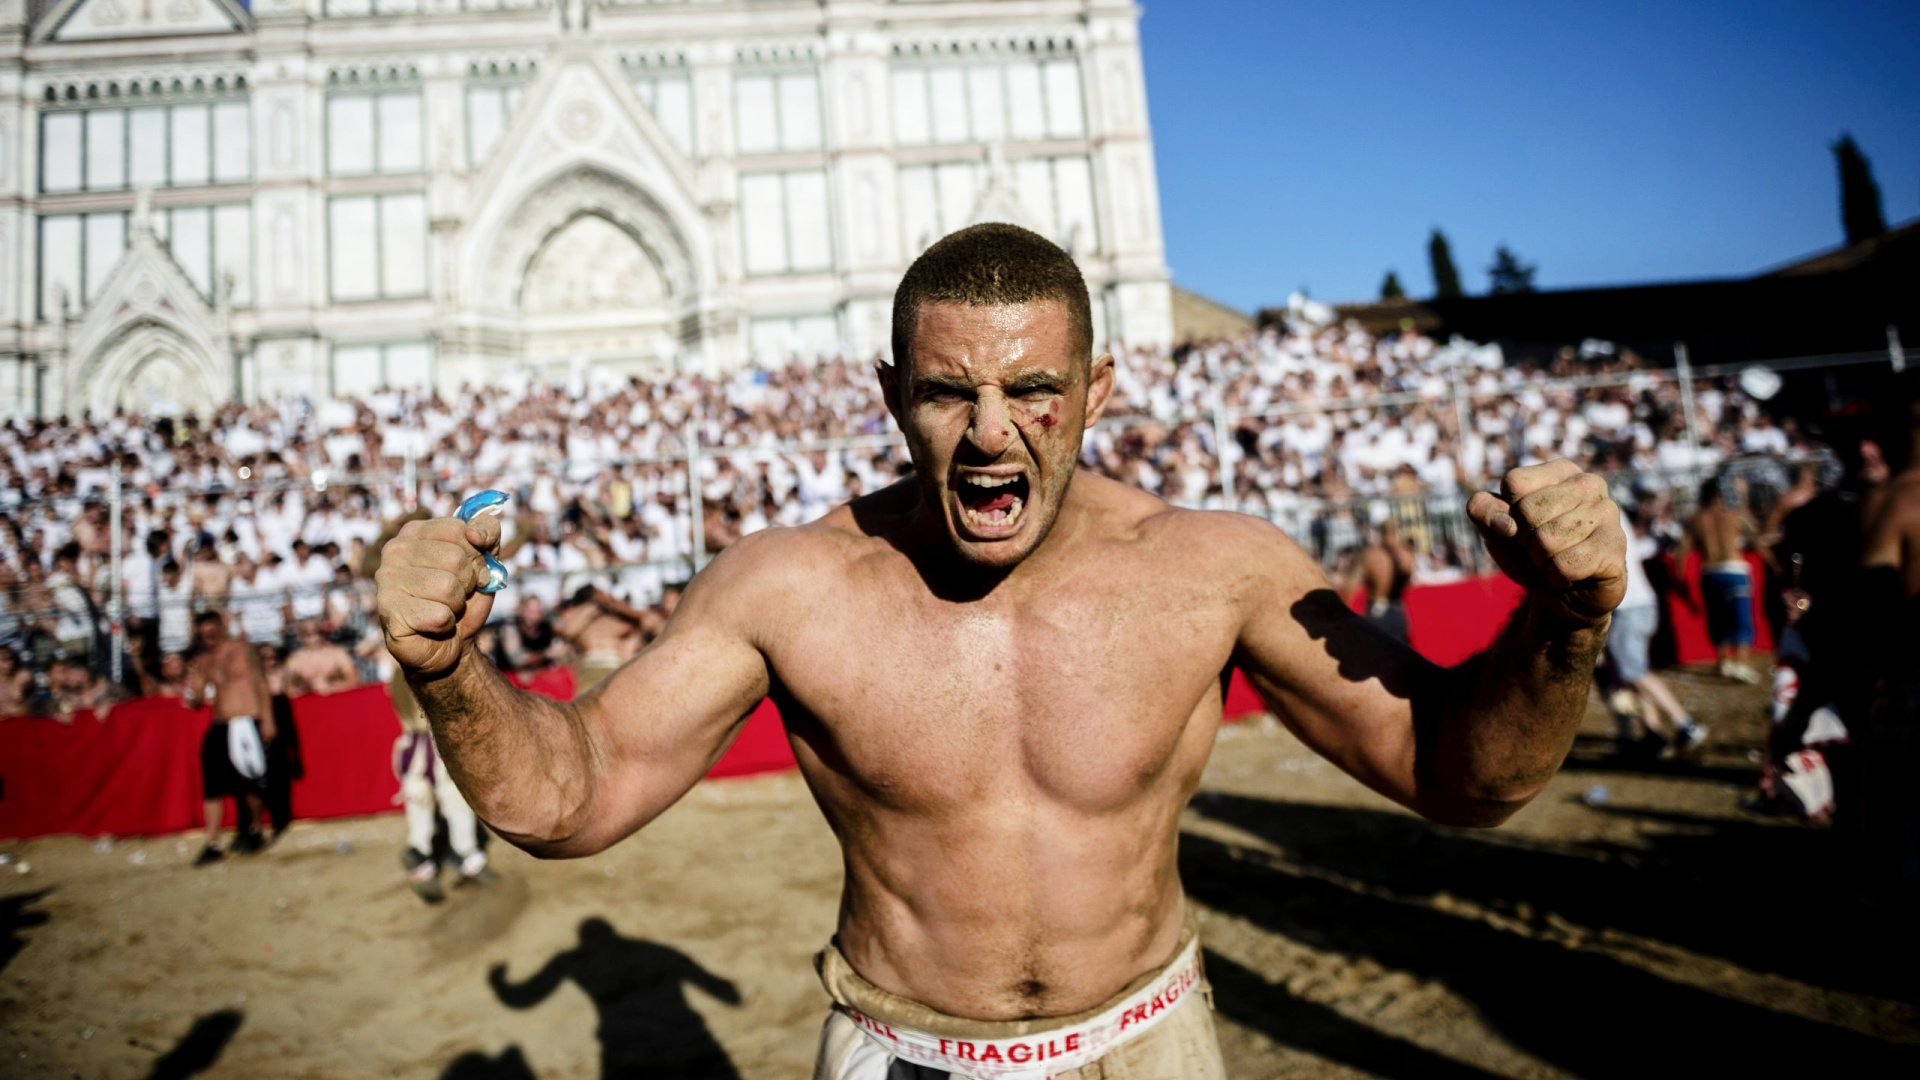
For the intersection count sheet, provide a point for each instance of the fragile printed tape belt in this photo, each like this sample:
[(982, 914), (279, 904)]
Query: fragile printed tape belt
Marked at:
[(1046, 1053)]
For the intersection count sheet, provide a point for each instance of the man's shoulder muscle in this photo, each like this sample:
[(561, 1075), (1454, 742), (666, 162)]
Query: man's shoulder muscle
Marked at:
[(765, 577), (1233, 549)]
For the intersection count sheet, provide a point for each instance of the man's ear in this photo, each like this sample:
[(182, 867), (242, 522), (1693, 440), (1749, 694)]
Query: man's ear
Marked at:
[(1099, 387), (889, 374)]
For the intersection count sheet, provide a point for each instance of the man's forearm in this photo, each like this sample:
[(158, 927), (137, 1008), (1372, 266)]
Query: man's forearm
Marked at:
[(524, 762), (1502, 723)]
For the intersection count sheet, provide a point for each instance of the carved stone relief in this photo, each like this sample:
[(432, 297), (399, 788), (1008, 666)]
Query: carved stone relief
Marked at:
[(591, 265)]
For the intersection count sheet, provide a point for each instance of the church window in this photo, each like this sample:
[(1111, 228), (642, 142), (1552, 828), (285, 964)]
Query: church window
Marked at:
[(192, 142), (165, 145), (785, 222), (777, 111), (1056, 193), (61, 258), (665, 88), (362, 369), (936, 200), (213, 246), (106, 150), (375, 131), (377, 246), (1001, 96), (232, 142), (147, 147), (77, 252), (774, 340), (61, 151), (487, 110)]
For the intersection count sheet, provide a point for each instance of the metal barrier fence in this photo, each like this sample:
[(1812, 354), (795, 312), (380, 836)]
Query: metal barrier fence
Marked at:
[(1435, 524)]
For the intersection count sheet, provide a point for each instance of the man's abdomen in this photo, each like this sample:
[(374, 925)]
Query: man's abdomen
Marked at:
[(1012, 913)]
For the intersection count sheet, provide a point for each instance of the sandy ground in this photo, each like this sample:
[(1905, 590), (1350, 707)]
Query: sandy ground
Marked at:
[(1660, 927)]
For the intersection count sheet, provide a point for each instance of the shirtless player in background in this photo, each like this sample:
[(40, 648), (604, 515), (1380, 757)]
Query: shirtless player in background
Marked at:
[(603, 630), (1002, 678), (1722, 532), (1386, 568), (1890, 750), (227, 674)]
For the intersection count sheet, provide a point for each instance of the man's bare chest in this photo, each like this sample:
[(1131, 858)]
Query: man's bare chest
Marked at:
[(1084, 695)]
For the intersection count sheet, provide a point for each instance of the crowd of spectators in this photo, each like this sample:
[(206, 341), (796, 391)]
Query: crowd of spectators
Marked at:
[(274, 512)]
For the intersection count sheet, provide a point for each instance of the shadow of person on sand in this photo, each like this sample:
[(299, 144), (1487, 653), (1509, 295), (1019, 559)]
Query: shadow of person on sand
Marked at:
[(1600, 754), (647, 1029), (475, 1065), (1249, 999), (14, 917), (1353, 884), (1712, 886), (200, 1047)]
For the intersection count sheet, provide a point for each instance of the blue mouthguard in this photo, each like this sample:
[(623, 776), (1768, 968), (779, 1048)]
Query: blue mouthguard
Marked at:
[(487, 502)]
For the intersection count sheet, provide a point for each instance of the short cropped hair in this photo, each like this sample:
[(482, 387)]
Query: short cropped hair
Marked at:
[(992, 264)]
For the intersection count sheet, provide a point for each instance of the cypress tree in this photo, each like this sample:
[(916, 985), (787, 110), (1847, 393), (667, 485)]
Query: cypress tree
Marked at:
[(1390, 289), (1446, 279), (1859, 195)]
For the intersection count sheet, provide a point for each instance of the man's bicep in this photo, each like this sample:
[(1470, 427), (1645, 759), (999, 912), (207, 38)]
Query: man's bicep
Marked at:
[(659, 723), (1341, 684)]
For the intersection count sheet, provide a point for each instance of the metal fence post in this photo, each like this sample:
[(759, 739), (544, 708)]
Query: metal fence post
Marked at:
[(116, 607), (1227, 495), (1895, 354), (1460, 416), (699, 522), (1685, 370)]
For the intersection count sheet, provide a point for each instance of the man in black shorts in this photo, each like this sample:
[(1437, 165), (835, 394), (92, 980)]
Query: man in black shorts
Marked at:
[(227, 675)]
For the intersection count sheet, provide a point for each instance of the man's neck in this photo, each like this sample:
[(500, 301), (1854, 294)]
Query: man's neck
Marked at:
[(927, 543)]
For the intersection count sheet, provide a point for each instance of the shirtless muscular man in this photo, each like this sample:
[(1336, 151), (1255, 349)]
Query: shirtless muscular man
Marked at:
[(1002, 677)]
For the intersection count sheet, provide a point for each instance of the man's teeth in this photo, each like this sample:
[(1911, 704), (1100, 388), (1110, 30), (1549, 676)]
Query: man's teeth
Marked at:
[(999, 516), (991, 481)]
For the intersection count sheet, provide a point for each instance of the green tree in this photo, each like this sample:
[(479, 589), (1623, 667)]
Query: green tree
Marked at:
[(1508, 273), (1859, 195), (1390, 289), (1446, 279)]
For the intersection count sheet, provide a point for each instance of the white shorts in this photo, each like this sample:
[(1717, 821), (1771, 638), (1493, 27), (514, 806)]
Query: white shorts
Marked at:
[(1156, 1026)]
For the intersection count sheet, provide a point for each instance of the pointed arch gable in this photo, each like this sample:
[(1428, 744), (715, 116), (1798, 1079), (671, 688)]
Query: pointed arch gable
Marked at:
[(580, 115), (146, 308), (146, 284)]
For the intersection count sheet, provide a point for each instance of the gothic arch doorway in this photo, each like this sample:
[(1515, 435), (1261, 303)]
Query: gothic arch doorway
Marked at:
[(152, 370), (595, 270)]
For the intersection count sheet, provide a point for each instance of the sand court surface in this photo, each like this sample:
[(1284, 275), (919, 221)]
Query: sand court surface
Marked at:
[(1598, 934)]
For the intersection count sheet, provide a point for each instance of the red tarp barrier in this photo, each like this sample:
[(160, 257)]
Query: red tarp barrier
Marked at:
[(138, 771), (1687, 612)]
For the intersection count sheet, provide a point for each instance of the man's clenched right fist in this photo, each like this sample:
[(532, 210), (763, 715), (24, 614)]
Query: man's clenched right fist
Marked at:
[(429, 595)]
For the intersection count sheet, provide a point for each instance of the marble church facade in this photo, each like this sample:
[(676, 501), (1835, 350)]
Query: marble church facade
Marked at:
[(202, 202)]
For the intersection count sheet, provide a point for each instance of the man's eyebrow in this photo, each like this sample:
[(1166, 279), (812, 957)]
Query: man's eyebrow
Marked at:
[(1039, 380), (941, 382)]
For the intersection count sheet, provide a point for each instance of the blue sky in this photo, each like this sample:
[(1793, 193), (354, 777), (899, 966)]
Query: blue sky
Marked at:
[(1316, 145)]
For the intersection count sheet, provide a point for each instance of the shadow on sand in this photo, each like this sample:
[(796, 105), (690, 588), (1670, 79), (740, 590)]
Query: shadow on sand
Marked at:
[(646, 1027), (1358, 883), (14, 917), (200, 1047)]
